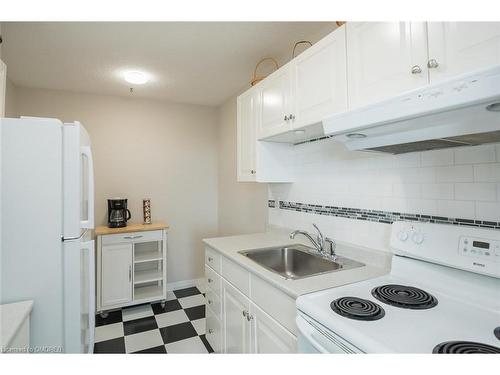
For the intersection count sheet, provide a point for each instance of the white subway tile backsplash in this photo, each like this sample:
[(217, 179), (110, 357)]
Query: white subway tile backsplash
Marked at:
[(437, 158), (423, 206), (487, 172), (438, 191), (407, 190), (456, 209), (476, 191), (413, 175), (457, 173), (411, 160), (488, 211), (475, 154), (456, 183)]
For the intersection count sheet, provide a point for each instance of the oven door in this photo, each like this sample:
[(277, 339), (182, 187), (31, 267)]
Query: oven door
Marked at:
[(315, 338)]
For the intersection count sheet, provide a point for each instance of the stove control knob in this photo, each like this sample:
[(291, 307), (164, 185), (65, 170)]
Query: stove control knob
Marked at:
[(403, 235), (418, 238)]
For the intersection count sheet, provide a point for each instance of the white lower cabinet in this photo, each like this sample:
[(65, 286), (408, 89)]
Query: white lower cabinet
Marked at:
[(116, 266), (235, 323), (268, 336)]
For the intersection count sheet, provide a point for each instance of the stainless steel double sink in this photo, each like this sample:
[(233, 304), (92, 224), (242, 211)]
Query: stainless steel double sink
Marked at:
[(298, 261)]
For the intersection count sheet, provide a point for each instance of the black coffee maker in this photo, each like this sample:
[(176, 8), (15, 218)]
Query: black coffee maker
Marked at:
[(118, 214)]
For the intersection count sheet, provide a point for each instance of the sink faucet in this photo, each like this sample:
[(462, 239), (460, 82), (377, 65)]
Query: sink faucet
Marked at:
[(319, 243)]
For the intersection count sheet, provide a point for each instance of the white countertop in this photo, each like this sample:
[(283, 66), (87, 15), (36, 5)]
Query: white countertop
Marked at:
[(376, 262), (12, 316)]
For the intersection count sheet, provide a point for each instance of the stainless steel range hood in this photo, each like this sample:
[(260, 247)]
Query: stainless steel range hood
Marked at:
[(458, 112)]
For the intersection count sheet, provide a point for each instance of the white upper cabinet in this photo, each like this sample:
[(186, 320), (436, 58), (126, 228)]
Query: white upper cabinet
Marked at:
[(460, 47), (275, 103), (259, 161), (320, 80), (3, 83), (384, 59), (246, 141)]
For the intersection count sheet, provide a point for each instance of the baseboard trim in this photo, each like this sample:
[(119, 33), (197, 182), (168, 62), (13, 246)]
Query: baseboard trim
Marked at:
[(199, 283)]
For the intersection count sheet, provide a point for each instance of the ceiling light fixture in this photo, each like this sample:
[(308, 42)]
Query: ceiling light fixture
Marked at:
[(135, 77)]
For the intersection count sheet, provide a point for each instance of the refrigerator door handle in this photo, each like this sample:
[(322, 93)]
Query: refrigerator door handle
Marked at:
[(89, 223)]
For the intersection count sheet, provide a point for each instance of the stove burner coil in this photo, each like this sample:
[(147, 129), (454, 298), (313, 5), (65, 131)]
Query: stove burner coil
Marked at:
[(357, 308), (464, 347), (403, 296), (496, 332)]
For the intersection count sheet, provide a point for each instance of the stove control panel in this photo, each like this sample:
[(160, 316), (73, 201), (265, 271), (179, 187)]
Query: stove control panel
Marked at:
[(463, 247), (480, 248)]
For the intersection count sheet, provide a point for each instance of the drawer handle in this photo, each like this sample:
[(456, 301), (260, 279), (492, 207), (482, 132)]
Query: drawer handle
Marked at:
[(210, 259), (210, 280), (132, 237), (210, 330)]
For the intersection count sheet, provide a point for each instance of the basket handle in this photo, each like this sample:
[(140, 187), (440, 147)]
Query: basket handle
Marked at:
[(261, 61), (300, 42)]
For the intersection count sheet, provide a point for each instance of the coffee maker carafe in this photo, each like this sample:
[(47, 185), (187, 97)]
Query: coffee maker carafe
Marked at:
[(118, 214)]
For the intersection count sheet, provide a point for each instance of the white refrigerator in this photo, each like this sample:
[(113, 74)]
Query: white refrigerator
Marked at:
[(47, 213)]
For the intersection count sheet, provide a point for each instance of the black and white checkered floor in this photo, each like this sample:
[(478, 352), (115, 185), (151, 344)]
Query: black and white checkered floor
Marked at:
[(149, 328)]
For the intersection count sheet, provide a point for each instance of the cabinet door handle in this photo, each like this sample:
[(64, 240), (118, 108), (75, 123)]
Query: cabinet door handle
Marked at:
[(416, 69), (130, 273), (210, 259), (291, 117), (132, 237), (209, 301), (210, 280), (245, 313), (432, 64), (252, 171), (249, 317), (210, 330), (286, 118)]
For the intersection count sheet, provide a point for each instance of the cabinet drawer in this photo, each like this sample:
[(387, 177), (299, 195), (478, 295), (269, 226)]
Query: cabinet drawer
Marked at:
[(236, 275), (212, 258), (275, 303), (154, 235), (214, 303), (213, 280), (213, 332)]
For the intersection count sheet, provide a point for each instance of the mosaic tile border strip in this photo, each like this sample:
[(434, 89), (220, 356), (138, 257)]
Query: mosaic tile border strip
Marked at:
[(385, 217)]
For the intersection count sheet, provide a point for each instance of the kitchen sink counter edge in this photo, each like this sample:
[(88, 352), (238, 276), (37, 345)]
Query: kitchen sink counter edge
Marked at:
[(376, 262)]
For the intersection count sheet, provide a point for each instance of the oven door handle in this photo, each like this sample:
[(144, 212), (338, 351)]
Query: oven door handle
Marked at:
[(307, 330)]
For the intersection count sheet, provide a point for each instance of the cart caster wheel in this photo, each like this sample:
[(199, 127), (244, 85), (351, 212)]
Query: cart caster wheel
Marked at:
[(104, 315)]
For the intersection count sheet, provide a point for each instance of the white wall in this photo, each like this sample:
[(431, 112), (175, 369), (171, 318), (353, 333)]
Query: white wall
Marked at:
[(242, 205), (146, 148), (457, 183)]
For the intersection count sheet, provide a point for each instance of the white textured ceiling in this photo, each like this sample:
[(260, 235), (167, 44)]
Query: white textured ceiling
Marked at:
[(191, 62)]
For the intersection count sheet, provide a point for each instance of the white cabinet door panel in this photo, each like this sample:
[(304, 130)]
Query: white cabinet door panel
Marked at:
[(116, 264), (236, 328), (320, 80), (246, 137), (274, 103), (459, 47), (380, 57), (268, 335)]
